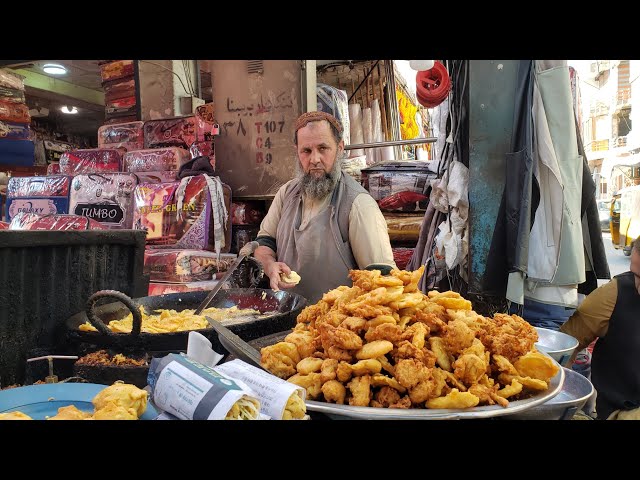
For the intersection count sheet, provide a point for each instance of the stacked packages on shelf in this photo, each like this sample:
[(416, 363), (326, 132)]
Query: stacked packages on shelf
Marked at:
[(118, 82), (16, 145)]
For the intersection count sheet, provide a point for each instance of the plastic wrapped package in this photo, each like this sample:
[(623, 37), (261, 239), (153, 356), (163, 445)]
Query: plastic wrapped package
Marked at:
[(335, 102), (54, 186), (115, 70), (204, 149), (14, 112), (160, 288), (171, 132), (9, 79), (402, 256), (53, 169), (246, 213), (353, 166), (128, 135), (157, 177), (180, 214), (14, 131), (105, 197), (11, 95), (39, 195), (156, 159), (185, 266), (92, 160), (402, 227), (32, 221), (120, 106), (53, 150), (121, 88), (399, 186), (120, 119)]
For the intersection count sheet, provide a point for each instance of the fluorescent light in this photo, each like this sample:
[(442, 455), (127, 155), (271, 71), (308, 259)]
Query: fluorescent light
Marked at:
[(71, 111), (54, 69)]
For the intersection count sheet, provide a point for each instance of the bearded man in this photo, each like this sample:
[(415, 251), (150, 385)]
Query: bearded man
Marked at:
[(322, 223)]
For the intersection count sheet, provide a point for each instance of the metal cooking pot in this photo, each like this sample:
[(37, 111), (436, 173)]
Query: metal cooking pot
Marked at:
[(576, 390), (286, 306), (558, 345)]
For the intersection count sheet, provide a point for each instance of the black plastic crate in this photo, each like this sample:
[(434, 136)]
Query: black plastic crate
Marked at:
[(47, 276)]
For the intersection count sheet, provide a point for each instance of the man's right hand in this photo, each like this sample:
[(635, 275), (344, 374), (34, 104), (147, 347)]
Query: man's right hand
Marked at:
[(273, 271)]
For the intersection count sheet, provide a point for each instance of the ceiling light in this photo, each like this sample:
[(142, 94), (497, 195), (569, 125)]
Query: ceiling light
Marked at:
[(66, 109), (54, 69)]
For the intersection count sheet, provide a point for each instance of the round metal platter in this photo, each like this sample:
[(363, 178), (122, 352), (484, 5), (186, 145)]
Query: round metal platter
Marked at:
[(343, 412), (42, 401)]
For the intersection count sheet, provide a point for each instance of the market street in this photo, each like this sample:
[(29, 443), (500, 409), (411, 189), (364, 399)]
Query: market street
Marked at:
[(618, 263)]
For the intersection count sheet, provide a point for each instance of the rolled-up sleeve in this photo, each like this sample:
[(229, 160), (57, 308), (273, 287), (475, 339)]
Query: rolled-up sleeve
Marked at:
[(591, 318), (368, 234)]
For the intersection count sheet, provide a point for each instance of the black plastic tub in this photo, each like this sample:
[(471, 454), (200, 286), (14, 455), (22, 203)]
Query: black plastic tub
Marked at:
[(47, 276)]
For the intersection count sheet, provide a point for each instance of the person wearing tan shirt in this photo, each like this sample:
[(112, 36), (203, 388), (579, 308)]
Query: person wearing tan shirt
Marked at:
[(611, 314), (322, 223)]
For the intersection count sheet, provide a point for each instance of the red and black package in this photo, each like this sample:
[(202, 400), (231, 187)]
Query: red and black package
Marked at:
[(32, 221), (14, 112), (402, 256), (127, 134), (116, 69), (93, 160), (246, 213), (29, 187), (124, 87), (155, 159)]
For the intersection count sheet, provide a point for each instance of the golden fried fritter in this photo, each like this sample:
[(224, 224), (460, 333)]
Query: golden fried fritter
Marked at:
[(309, 365), (366, 367), (431, 320), (457, 336), (340, 337), (384, 331), (360, 388), (488, 395), (416, 334), (124, 395), (469, 368), (454, 399), (280, 359), (405, 402), (311, 312), (343, 372), (443, 359), (305, 342), (328, 369), (379, 380), (113, 411), (409, 372), (536, 365), (407, 349), (334, 392), (385, 397), (339, 354), (355, 324), (70, 412), (374, 349), (332, 295), (311, 382)]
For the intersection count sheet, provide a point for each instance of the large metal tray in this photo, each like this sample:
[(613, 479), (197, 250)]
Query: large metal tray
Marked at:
[(344, 412)]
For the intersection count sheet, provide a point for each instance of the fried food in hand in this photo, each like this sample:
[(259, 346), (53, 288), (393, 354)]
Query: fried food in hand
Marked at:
[(124, 395), (71, 412), (293, 278), (334, 392)]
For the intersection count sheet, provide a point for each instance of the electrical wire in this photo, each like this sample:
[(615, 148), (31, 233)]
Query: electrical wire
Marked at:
[(168, 70), (187, 74)]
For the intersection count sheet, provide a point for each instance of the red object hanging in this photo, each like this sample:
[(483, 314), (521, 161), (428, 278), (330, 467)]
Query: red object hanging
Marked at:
[(433, 85)]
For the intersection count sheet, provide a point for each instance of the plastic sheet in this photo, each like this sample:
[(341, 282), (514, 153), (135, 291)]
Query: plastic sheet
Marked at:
[(185, 266), (171, 132), (154, 160), (53, 169), (93, 160), (54, 186), (157, 177), (357, 130), (159, 288), (335, 102), (128, 135), (106, 198), (32, 221)]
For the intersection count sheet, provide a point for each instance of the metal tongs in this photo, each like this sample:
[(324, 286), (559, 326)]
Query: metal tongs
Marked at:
[(245, 251), (234, 344)]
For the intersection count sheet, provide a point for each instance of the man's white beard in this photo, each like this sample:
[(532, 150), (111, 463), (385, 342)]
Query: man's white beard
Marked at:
[(319, 188)]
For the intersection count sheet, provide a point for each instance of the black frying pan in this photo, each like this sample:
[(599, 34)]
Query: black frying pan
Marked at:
[(287, 305)]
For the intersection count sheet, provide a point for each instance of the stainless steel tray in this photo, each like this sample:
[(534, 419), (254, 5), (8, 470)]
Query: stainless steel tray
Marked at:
[(344, 412)]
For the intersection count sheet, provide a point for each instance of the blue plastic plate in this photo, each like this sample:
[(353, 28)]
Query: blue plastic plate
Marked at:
[(42, 401)]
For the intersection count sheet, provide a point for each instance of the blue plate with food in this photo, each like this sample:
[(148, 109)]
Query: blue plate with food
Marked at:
[(42, 402)]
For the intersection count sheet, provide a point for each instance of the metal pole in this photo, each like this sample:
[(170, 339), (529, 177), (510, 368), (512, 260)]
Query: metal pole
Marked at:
[(414, 141), (392, 102)]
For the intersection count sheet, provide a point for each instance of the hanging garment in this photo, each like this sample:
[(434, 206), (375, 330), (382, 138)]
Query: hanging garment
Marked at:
[(555, 92), (508, 254)]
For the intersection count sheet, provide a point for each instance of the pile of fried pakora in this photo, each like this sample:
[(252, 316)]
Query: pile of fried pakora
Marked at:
[(384, 343)]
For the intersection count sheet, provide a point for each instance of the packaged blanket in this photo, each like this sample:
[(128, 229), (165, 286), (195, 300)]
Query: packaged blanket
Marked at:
[(93, 160), (157, 177), (184, 266), (14, 112), (32, 221), (105, 197), (39, 195), (14, 131), (124, 87), (156, 159), (171, 132), (116, 69), (12, 95), (128, 135)]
